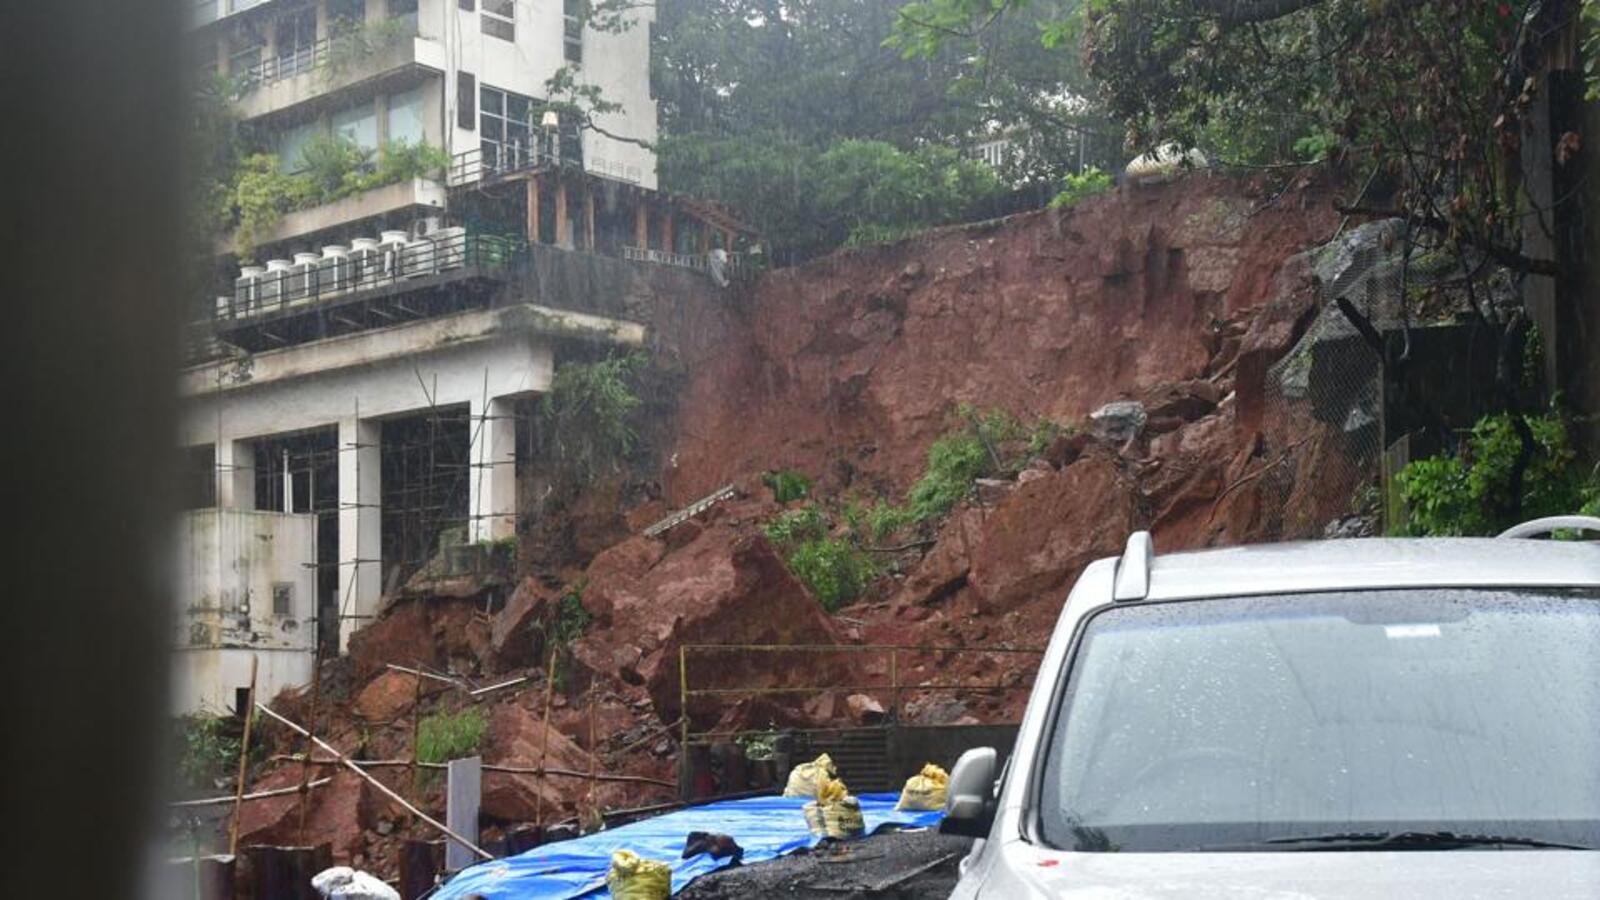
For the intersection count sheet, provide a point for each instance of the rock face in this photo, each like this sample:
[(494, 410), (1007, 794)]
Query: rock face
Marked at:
[(725, 586), (847, 367), (1049, 529)]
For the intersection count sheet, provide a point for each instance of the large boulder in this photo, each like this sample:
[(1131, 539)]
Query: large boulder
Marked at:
[(517, 737), (338, 814), (1048, 529), (723, 587)]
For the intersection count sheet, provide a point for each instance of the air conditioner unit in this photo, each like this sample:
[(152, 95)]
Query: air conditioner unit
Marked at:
[(302, 285), (450, 248), (274, 282), (247, 291), (365, 262), (333, 272), (418, 259), (391, 246), (426, 226)]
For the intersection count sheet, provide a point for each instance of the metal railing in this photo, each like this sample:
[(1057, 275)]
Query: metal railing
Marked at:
[(286, 65), (665, 258), (896, 688), (315, 281), (474, 165)]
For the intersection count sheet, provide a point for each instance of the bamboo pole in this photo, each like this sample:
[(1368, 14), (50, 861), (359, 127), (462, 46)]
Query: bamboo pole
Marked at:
[(305, 771), (383, 788), (544, 749), (244, 758), (258, 795), (504, 770)]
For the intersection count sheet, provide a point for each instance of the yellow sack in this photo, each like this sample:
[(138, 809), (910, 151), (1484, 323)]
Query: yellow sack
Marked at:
[(632, 877), (815, 823), (843, 818), (925, 790), (831, 790), (806, 778)]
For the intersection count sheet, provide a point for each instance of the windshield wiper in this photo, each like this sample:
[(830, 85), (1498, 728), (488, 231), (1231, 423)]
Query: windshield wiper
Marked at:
[(1398, 840)]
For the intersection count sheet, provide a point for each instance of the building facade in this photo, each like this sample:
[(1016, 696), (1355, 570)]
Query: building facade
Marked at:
[(357, 406)]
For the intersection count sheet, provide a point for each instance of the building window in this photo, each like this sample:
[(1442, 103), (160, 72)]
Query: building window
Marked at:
[(467, 5), (406, 117), (404, 11), (297, 42), (346, 14), (466, 100), (512, 135), (572, 30), (499, 19), (283, 600), (358, 124)]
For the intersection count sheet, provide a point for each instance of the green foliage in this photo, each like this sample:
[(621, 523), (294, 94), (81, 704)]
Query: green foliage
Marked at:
[(1082, 186), (1466, 493), (208, 752), (586, 421), (988, 444), (787, 485), (330, 168), (571, 619), (807, 200), (444, 736), (834, 569), (353, 42), (1590, 12), (761, 745)]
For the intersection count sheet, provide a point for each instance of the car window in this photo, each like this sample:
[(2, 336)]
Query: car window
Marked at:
[(1186, 725)]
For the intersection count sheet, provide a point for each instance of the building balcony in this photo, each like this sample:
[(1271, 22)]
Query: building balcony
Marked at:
[(420, 193), (282, 82), (396, 281)]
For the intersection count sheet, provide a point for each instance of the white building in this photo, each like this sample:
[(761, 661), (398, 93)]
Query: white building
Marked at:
[(359, 407)]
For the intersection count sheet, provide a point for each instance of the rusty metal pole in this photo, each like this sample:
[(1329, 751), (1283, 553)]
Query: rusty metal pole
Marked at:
[(416, 734), (244, 758), (544, 749), (305, 767), (683, 716), (894, 684)]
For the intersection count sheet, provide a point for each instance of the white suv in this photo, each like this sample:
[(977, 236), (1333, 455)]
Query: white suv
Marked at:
[(1340, 719)]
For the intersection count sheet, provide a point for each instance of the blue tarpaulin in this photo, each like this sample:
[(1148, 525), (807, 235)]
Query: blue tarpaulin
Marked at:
[(766, 827)]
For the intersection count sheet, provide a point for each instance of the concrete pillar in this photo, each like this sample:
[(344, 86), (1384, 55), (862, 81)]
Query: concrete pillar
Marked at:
[(641, 225), (324, 27), (533, 209), (493, 487), (667, 238), (236, 474), (360, 524), (588, 219)]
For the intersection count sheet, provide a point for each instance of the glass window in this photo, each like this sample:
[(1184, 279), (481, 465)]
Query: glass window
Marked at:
[(406, 122), (359, 123), (346, 13), (292, 141), (493, 101), (572, 30), (297, 38), (1225, 723), (404, 11), (499, 19)]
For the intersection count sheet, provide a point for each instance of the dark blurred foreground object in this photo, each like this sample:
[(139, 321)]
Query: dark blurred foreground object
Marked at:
[(89, 279)]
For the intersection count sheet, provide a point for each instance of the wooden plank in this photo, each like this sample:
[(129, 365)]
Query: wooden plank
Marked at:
[(464, 792), (563, 226), (641, 225), (533, 210)]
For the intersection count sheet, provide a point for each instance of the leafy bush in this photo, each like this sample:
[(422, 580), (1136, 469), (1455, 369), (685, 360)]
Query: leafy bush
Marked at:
[(834, 569), (1467, 493), (990, 444), (208, 752), (1083, 185), (586, 419), (787, 485), (331, 167), (571, 619), (444, 736)]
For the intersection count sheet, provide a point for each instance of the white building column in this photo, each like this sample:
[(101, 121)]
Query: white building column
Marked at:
[(236, 474), (493, 485), (360, 524)]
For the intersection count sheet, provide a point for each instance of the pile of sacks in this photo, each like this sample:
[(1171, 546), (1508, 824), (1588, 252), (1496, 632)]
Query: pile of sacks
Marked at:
[(925, 790), (632, 877), (832, 812)]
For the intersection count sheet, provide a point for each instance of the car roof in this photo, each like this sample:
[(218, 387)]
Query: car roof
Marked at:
[(1373, 563)]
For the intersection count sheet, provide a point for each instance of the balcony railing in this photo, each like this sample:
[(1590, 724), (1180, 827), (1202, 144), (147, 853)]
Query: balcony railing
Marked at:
[(470, 166), (665, 258), (306, 284), (286, 65)]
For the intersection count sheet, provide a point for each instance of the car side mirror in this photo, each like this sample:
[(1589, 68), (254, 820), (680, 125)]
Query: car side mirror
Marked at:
[(969, 802)]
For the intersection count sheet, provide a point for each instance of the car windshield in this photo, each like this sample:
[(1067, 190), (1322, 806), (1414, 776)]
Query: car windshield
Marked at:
[(1219, 723)]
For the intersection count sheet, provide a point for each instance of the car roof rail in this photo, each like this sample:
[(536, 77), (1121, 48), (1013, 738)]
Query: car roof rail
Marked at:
[(1549, 524), (1133, 570)]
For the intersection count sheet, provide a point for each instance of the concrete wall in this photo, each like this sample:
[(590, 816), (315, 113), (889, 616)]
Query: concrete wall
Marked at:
[(229, 564)]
